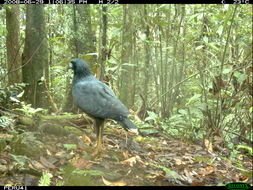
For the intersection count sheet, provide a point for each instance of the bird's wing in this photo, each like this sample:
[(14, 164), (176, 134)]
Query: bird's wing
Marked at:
[(98, 100)]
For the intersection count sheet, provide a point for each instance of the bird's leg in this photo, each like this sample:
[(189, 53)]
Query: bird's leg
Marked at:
[(100, 136), (99, 131)]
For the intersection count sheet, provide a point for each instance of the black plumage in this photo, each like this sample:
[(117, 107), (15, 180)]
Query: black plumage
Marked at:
[(97, 99)]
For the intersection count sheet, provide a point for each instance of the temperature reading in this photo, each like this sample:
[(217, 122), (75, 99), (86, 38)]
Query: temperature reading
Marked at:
[(112, 2), (241, 1)]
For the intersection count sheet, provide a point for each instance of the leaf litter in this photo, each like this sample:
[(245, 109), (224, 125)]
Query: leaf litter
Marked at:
[(125, 161)]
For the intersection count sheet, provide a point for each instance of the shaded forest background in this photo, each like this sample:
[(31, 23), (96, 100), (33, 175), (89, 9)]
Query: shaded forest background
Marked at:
[(183, 70)]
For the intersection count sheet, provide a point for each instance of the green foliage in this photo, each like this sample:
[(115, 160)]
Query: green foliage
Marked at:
[(3, 145), (28, 110), (170, 173), (5, 122), (26, 144), (89, 172), (45, 179), (246, 147), (20, 161), (153, 117), (240, 76), (70, 146), (204, 159), (73, 177), (6, 98)]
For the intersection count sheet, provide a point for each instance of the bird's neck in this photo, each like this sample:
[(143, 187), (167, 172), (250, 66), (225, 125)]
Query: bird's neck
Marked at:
[(81, 75)]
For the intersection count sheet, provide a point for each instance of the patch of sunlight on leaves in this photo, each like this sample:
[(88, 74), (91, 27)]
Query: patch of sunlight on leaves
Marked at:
[(140, 139), (70, 146), (199, 47), (29, 111), (246, 147), (5, 121), (226, 71), (89, 172), (45, 179)]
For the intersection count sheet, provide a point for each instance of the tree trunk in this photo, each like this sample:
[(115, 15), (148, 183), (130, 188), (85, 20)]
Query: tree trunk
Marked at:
[(147, 54), (126, 55), (12, 44), (35, 57), (103, 50)]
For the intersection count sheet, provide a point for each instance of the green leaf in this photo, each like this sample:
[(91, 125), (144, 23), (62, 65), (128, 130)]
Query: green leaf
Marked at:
[(169, 172), (194, 98), (70, 146), (21, 160), (151, 116), (226, 71), (143, 37), (213, 46), (220, 30), (246, 147), (199, 47), (89, 172), (183, 112), (205, 39), (241, 77), (45, 179)]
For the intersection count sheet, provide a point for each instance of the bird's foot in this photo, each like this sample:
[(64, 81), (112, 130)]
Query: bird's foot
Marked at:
[(98, 150)]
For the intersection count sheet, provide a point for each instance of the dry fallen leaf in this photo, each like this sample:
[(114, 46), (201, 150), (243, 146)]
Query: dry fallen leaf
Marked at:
[(86, 140), (60, 154), (82, 164), (208, 145), (37, 165), (48, 152), (206, 171), (131, 161), (178, 161), (188, 177), (126, 154), (243, 178), (113, 183), (46, 163)]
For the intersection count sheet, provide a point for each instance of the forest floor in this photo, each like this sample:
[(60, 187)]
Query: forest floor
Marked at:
[(127, 160)]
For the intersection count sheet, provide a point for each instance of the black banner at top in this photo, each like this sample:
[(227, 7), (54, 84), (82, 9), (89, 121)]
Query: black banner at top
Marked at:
[(127, 1)]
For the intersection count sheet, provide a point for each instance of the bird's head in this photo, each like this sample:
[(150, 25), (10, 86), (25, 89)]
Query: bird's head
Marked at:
[(80, 67)]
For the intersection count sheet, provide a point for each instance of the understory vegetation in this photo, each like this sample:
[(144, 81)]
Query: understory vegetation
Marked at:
[(184, 72)]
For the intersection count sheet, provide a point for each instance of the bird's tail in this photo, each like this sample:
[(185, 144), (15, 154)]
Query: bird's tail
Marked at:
[(128, 125)]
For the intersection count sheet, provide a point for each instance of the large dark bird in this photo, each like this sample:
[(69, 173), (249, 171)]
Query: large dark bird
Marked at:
[(97, 100)]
